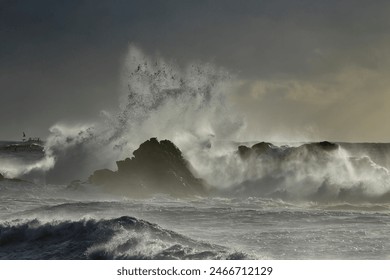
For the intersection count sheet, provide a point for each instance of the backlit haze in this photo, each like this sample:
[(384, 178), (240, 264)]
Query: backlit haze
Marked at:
[(298, 70)]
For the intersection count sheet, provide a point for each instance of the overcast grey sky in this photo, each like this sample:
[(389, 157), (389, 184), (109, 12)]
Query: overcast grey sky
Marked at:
[(316, 68)]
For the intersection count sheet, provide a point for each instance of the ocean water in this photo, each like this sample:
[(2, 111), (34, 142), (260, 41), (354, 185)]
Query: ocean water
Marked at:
[(82, 221), (265, 201), (53, 222)]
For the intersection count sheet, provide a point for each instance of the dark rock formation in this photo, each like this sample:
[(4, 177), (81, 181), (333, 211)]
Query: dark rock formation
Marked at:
[(1, 177), (280, 167), (319, 149), (324, 146), (258, 149), (244, 151), (157, 167), (23, 147), (262, 147)]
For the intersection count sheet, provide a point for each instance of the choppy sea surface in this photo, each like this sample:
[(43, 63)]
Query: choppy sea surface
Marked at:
[(266, 201), (57, 222)]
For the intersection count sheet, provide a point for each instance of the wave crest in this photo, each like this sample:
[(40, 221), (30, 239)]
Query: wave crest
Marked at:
[(155, 95), (120, 238)]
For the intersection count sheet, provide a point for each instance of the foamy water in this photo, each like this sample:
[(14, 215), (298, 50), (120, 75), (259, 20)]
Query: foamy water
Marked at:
[(58, 223), (293, 201)]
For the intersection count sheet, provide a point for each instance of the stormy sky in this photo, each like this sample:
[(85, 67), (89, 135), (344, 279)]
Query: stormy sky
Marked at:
[(304, 69)]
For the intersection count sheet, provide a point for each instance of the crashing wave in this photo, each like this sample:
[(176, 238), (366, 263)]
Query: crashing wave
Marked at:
[(190, 107), (159, 99), (120, 238), (323, 172)]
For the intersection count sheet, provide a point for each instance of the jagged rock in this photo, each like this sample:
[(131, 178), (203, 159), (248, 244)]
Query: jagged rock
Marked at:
[(24, 147), (318, 149), (244, 151), (156, 167), (1, 177), (324, 145), (257, 149), (262, 147)]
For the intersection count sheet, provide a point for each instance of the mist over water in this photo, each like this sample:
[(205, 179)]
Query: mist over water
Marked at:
[(187, 106), (192, 107), (286, 201), (312, 173)]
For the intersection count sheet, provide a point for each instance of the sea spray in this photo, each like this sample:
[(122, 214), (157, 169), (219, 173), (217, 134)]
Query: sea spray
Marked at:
[(322, 172), (188, 106), (191, 107), (120, 238)]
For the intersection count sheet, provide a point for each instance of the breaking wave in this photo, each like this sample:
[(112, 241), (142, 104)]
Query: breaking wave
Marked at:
[(188, 106), (120, 238), (322, 172), (191, 107)]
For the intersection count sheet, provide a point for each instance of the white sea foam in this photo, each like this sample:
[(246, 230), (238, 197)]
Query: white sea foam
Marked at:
[(191, 107)]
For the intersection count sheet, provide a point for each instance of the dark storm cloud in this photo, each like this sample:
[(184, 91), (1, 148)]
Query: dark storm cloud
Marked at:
[(61, 60)]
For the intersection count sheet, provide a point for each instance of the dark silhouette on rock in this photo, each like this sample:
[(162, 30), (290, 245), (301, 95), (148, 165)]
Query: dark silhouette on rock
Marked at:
[(156, 167)]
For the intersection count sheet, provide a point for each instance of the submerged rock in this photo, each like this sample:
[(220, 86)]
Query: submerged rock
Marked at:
[(156, 167)]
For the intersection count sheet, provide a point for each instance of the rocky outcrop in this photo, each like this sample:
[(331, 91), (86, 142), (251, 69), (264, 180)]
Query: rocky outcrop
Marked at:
[(277, 171), (318, 149), (1, 177), (156, 167), (321, 146), (23, 147)]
